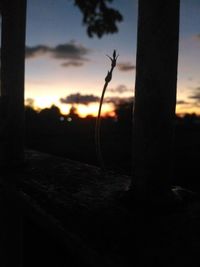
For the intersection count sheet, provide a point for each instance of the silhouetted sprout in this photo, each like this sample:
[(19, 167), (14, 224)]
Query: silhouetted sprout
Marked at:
[(108, 78)]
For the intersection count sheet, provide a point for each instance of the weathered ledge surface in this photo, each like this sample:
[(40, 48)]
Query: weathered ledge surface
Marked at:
[(77, 205), (73, 200)]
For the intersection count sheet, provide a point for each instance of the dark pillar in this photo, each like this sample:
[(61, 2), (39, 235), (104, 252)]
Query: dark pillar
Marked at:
[(11, 233), (155, 97), (12, 81)]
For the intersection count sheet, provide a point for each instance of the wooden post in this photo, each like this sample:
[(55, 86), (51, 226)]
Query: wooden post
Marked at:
[(11, 234), (12, 81), (155, 97)]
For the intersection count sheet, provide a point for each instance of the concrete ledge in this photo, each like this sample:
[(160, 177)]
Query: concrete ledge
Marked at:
[(78, 207), (65, 198)]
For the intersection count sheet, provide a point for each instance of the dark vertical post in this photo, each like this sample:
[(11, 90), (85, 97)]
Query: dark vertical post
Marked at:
[(11, 234), (12, 81), (11, 123), (155, 97)]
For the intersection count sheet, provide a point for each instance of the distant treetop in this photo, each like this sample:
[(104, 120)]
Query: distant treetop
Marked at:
[(98, 17)]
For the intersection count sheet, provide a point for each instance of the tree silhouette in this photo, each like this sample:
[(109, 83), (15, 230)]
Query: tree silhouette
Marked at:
[(124, 112), (99, 18), (52, 114)]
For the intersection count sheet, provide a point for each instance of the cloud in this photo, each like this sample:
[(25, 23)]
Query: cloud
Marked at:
[(79, 99), (87, 99), (182, 102), (120, 89), (70, 50), (197, 36), (36, 51), (196, 95), (72, 63), (118, 100), (73, 53), (126, 66)]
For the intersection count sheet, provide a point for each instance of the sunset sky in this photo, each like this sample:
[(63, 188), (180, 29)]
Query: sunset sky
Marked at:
[(65, 66)]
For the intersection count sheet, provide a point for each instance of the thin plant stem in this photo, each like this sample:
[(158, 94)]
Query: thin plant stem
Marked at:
[(98, 120)]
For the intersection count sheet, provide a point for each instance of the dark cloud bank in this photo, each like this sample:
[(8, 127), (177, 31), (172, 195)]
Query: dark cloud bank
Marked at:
[(120, 89), (74, 54), (78, 98), (196, 94), (125, 66)]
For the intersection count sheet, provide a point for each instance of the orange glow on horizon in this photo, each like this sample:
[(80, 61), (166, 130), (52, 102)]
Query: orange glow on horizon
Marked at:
[(191, 109), (82, 110), (92, 109)]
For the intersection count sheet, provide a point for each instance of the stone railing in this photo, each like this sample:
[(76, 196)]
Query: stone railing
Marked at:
[(69, 206)]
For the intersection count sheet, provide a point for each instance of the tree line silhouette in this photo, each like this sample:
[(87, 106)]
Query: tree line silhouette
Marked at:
[(71, 136)]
